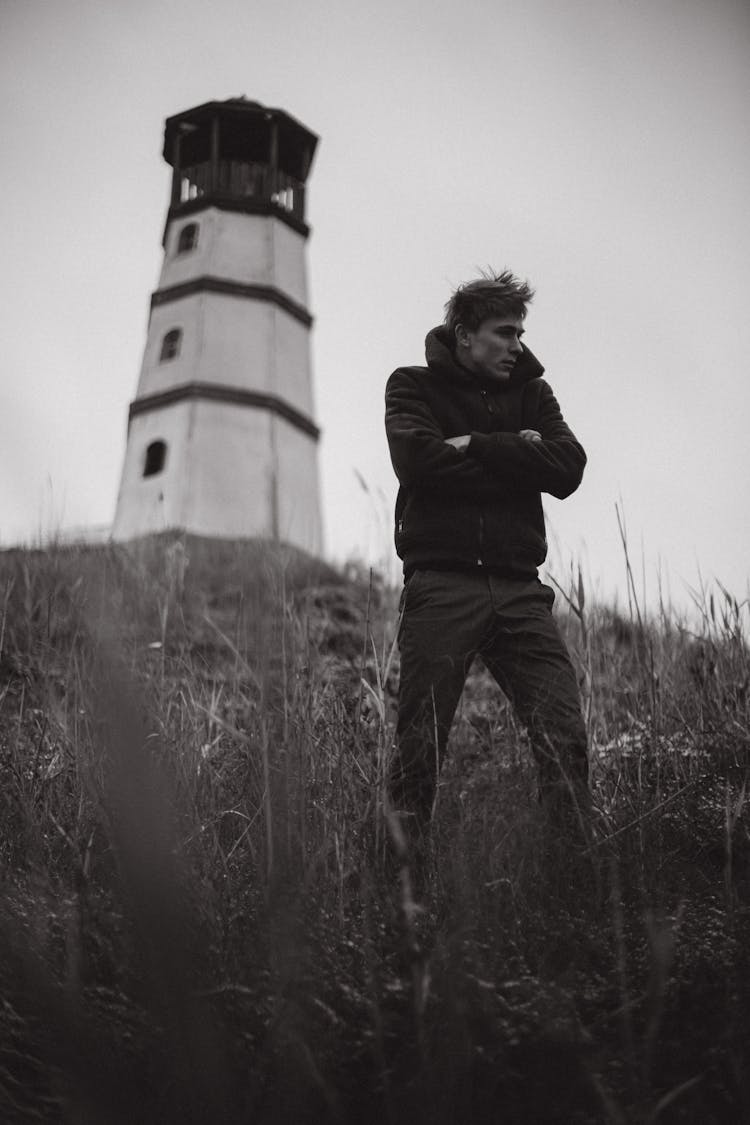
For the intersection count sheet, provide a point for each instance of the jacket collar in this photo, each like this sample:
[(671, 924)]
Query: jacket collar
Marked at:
[(441, 360)]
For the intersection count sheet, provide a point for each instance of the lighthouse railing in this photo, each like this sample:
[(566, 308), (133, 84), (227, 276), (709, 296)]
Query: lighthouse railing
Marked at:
[(243, 179)]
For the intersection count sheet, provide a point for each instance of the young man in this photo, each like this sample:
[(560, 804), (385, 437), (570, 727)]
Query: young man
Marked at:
[(475, 437)]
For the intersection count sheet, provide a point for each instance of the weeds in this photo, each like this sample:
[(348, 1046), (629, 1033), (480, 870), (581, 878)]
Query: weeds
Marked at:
[(201, 920)]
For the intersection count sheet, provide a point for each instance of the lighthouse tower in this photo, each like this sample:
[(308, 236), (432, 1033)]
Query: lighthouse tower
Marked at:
[(221, 436)]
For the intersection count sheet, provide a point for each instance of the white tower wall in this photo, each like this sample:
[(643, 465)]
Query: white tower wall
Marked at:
[(148, 505), (246, 248), (221, 437), (299, 516), (229, 340)]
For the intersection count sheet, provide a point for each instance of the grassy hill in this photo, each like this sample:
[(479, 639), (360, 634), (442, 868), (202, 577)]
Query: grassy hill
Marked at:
[(200, 920)]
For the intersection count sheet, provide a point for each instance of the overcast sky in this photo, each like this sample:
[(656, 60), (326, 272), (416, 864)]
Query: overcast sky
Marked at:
[(596, 147)]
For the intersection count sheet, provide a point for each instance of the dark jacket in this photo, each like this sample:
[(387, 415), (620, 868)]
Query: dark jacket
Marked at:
[(482, 507)]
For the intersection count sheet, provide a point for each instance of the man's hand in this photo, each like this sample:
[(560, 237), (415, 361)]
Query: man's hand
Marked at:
[(460, 444), (530, 435)]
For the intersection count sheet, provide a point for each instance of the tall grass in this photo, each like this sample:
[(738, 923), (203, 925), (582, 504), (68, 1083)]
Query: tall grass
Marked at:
[(202, 919)]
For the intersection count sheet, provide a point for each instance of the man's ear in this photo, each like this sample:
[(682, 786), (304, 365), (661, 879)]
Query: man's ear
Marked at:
[(462, 336)]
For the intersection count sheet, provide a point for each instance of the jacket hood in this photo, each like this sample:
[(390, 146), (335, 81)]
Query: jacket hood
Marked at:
[(442, 360)]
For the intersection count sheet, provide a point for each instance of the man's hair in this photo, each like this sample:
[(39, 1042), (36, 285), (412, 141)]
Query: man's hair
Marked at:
[(492, 294)]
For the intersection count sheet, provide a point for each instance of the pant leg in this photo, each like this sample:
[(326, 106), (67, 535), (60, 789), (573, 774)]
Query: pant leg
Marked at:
[(445, 615), (527, 656)]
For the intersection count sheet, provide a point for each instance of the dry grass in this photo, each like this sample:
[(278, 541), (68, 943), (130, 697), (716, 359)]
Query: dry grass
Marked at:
[(199, 920)]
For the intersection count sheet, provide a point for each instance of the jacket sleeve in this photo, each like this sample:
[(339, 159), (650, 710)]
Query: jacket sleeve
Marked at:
[(420, 455), (555, 464)]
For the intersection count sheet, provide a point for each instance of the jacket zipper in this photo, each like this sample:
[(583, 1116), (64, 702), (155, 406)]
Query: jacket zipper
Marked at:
[(489, 409)]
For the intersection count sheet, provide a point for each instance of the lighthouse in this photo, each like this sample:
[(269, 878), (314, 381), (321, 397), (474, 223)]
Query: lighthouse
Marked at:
[(221, 438)]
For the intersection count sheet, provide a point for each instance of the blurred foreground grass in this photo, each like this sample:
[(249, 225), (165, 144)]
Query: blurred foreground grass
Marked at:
[(198, 923)]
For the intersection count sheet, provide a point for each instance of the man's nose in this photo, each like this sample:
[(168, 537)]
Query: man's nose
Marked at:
[(515, 346)]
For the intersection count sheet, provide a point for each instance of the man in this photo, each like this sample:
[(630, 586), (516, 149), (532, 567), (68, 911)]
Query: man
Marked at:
[(475, 437)]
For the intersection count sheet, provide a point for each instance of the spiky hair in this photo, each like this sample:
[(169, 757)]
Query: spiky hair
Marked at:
[(492, 294)]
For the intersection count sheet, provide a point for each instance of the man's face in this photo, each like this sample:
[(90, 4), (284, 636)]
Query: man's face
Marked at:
[(493, 348)]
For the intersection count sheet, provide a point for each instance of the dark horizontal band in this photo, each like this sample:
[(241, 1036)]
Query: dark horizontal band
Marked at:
[(234, 289), (240, 204), (218, 392)]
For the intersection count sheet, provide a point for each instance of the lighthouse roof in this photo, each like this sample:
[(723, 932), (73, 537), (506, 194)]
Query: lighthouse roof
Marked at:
[(241, 115)]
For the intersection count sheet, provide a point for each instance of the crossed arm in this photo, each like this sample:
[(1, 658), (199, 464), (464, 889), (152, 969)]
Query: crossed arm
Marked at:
[(421, 456), (461, 444), (547, 459)]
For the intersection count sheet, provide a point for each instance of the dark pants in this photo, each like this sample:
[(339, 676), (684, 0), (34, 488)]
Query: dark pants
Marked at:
[(449, 617)]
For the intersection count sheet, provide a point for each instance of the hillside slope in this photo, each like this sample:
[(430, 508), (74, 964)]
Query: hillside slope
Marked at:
[(201, 918)]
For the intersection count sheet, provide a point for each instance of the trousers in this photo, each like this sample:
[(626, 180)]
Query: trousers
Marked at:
[(449, 618)]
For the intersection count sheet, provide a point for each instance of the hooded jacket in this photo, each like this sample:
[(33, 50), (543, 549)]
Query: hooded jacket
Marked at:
[(482, 507)]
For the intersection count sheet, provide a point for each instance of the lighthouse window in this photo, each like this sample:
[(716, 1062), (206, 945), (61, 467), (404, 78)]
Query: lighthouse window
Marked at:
[(156, 455), (170, 345), (188, 239)]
